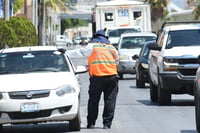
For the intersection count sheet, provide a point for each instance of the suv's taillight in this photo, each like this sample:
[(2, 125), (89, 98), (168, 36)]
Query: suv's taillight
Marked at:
[(170, 64)]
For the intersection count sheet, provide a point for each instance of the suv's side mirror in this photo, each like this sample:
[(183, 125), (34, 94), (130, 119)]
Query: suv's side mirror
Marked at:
[(198, 59), (134, 57), (154, 46)]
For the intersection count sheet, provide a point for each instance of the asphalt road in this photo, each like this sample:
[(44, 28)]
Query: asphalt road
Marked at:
[(134, 113)]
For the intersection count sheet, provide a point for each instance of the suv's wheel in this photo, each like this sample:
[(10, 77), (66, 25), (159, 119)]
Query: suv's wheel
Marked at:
[(197, 110), (153, 92), (164, 96), (139, 82)]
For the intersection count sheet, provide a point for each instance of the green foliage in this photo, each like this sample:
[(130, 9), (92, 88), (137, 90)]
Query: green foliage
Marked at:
[(57, 3), (196, 11), (158, 9), (18, 4), (71, 23), (17, 32), (7, 34)]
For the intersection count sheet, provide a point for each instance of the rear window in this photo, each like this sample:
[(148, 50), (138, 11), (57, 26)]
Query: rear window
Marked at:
[(135, 41), (183, 38), (118, 32), (22, 62)]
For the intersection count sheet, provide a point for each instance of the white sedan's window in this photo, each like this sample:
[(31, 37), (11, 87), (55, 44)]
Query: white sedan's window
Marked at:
[(32, 62)]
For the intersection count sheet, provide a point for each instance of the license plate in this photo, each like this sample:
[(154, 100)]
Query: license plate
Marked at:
[(30, 107)]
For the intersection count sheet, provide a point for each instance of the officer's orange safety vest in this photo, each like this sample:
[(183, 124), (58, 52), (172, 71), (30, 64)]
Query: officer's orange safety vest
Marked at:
[(102, 61)]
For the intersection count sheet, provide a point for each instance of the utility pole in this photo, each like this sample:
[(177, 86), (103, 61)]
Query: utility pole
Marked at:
[(7, 10), (41, 22), (44, 24), (25, 8)]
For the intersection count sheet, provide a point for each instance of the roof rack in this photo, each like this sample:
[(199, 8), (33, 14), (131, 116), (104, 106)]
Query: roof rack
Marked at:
[(178, 22)]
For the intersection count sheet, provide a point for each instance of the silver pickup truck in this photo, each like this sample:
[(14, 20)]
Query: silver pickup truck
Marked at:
[(173, 62)]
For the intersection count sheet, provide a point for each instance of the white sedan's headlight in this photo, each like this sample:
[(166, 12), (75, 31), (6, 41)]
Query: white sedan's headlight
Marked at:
[(66, 89)]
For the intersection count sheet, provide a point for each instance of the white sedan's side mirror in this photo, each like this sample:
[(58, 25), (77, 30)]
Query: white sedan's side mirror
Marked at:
[(81, 69)]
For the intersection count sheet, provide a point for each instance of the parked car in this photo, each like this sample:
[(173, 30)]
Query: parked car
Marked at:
[(197, 96), (39, 84), (76, 40), (63, 41), (130, 44), (173, 62), (141, 65), (85, 40)]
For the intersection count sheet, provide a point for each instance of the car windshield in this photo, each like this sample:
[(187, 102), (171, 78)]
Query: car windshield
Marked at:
[(135, 41), (183, 38), (118, 32), (22, 62), (145, 51)]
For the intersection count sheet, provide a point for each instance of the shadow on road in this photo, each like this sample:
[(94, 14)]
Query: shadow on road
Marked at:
[(175, 102), (188, 131), (34, 128)]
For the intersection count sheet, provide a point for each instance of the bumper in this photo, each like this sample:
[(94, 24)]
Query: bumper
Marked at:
[(126, 67), (175, 85), (52, 108)]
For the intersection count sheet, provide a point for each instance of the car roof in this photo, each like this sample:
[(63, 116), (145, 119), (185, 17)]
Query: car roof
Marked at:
[(182, 27), (123, 27), (29, 48), (138, 34)]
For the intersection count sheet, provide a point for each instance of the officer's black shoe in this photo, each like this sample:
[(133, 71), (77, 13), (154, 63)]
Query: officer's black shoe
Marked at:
[(106, 127), (90, 126)]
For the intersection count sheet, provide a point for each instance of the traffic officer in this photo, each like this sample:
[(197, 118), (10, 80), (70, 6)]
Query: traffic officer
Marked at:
[(102, 63)]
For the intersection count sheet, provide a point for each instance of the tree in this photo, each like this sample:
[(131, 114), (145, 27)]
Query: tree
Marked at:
[(196, 7), (53, 4), (7, 34), (158, 8), (17, 32), (70, 23), (18, 4), (25, 31), (158, 12)]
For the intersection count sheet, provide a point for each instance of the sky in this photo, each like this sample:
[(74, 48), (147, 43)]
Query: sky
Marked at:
[(179, 3)]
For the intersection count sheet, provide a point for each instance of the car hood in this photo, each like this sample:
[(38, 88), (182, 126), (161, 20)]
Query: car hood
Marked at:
[(129, 52), (182, 51), (35, 81)]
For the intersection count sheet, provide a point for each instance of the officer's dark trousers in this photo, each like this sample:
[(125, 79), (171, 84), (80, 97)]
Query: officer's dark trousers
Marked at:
[(109, 86)]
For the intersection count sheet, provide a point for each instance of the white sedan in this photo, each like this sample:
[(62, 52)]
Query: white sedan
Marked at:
[(39, 84)]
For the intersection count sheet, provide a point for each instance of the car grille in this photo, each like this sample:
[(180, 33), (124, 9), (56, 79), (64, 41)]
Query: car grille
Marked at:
[(187, 71), (187, 61), (29, 94), (39, 114)]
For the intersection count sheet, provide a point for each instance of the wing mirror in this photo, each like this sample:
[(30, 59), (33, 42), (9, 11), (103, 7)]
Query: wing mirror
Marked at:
[(81, 69), (134, 57), (154, 46), (198, 59)]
